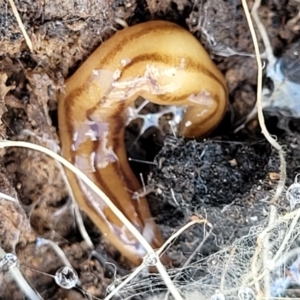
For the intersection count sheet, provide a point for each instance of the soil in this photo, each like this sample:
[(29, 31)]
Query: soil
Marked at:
[(227, 178)]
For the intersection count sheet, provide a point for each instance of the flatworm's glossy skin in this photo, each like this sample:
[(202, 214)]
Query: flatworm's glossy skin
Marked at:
[(161, 62)]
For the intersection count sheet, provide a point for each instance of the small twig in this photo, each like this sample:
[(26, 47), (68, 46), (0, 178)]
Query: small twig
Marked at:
[(8, 197), (127, 280), (197, 250), (143, 183), (225, 270), (254, 268), (142, 161), (286, 237), (191, 257), (179, 232), (121, 22), (173, 197), (60, 253), (263, 33), (266, 252), (21, 25)]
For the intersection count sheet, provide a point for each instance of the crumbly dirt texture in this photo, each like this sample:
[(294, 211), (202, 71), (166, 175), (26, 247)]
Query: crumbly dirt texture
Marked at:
[(223, 178)]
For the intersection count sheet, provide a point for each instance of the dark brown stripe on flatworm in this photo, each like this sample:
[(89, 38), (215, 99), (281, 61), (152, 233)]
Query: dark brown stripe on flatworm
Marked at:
[(69, 102), (153, 28), (174, 61), (102, 181), (118, 125)]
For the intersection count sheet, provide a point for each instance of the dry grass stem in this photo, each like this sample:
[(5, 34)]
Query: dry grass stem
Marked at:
[(261, 120), (21, 25)]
